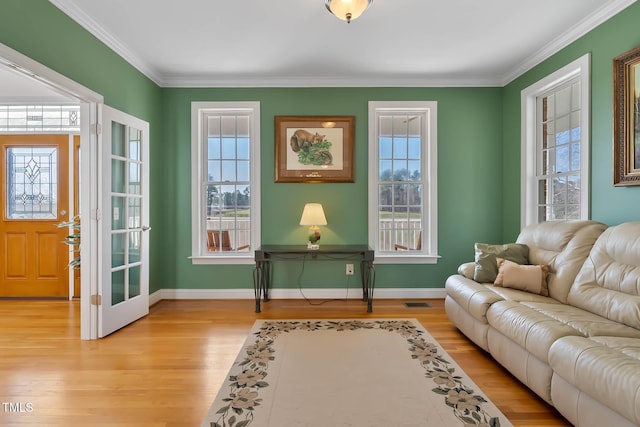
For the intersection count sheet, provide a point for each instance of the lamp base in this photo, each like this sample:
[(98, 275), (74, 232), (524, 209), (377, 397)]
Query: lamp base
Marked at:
[(313, 237)]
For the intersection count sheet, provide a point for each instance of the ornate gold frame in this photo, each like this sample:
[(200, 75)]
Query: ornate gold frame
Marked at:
[(626, 118)]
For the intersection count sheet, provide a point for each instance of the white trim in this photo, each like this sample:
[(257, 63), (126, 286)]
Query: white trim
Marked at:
[(242, 258), (528, 186), (233, 294), (233, 81), (429, 252), (198, 110)]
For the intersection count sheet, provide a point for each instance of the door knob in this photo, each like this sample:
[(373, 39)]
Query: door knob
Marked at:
[(146, 228), (63, 212)]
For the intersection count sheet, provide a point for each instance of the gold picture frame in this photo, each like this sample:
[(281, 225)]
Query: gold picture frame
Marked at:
[(626, 118), (314, 148)]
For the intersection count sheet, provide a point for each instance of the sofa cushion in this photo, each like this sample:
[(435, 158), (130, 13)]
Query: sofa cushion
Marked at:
[(536, 325), (486, 256), (586, 323), (528, 328), (605, 368), (563, 246), (609, 282), (520, 296), (530, 278)]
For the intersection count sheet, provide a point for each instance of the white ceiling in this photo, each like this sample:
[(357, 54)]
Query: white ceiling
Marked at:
[(18, 88), (245, 43), (299, 43)]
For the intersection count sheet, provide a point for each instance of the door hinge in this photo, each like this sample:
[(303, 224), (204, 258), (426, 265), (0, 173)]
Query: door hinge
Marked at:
[(96, 214), (96, 300), (96, 128)]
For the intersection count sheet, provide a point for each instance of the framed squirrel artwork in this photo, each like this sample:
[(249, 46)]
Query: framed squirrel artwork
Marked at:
[(314, 148)]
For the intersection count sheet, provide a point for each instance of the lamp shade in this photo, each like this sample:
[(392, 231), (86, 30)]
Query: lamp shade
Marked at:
[(347, 10), (313, 214)]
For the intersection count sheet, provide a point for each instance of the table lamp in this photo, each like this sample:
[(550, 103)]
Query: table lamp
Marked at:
[(313, 216)]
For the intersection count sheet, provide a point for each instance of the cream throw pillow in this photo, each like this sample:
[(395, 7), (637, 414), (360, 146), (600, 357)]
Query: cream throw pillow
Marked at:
[(529, 278)]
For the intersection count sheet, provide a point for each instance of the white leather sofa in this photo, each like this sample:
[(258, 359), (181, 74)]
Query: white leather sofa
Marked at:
[(579, 347)]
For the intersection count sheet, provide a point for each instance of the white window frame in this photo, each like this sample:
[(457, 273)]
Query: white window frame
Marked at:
[(429, 247), (200, 110), (529, 128)]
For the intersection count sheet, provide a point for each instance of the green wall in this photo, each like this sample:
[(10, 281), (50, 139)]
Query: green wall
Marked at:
[(610, 205), (469, 152), (478, 152)]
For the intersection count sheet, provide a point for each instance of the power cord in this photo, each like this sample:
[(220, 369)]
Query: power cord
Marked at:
[(304, 260)]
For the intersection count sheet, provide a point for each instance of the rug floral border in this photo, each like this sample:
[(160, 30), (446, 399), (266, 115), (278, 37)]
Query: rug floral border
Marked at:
[(246, 384)]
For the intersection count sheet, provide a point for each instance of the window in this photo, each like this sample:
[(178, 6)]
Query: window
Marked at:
[(225, 181), (402, 181), (39, 118), (555, 146)]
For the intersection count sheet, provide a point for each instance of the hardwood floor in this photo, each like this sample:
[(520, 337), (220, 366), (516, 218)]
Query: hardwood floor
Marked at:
[(165, 369)]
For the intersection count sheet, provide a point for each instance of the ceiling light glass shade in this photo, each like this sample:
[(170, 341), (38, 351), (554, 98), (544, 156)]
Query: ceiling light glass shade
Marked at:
[(347, 10)]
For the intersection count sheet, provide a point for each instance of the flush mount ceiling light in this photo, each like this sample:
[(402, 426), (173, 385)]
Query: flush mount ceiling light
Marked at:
[(347, 10)]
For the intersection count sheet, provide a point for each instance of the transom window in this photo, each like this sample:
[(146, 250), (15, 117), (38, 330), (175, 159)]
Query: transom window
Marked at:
[(40, 118), (225, 180), (402, 181)]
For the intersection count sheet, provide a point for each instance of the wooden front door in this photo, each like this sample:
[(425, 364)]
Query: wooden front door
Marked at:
[(34, 192)]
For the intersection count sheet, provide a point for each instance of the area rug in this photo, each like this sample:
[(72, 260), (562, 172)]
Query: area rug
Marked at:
[(374, 372)]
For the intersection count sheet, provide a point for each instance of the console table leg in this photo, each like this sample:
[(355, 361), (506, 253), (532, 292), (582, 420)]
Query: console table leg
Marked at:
[(258, 274), (370, 284), (364, 266)]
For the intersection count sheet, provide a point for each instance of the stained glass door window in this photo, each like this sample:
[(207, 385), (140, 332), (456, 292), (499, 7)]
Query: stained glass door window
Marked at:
[(32, 183)]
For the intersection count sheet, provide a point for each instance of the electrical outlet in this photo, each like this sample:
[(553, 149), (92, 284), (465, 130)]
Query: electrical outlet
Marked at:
[(349, 269)]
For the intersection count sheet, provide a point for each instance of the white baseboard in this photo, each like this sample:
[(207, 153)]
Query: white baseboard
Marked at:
[(382, 293)]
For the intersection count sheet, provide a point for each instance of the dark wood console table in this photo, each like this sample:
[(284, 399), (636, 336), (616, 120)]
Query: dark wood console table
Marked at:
[(265, 254)]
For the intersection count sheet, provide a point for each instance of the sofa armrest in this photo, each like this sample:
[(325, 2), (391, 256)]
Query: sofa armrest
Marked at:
[(471, 296), (467, 269)]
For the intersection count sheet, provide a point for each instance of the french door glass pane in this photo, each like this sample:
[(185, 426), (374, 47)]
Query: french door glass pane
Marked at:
[(134, 281), (135, 140), (118, 214), (118, 176), (117, 287), (117, 249), (118, 139)]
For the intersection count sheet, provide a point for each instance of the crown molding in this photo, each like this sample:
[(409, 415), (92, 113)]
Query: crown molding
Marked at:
[(612, 8), (195, 81), (70, 9)]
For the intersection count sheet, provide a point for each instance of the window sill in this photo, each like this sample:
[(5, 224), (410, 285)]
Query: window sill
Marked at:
[(388, 258), (223, 260)]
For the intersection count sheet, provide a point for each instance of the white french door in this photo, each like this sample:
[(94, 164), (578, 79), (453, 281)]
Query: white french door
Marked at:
[(124, 224)]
